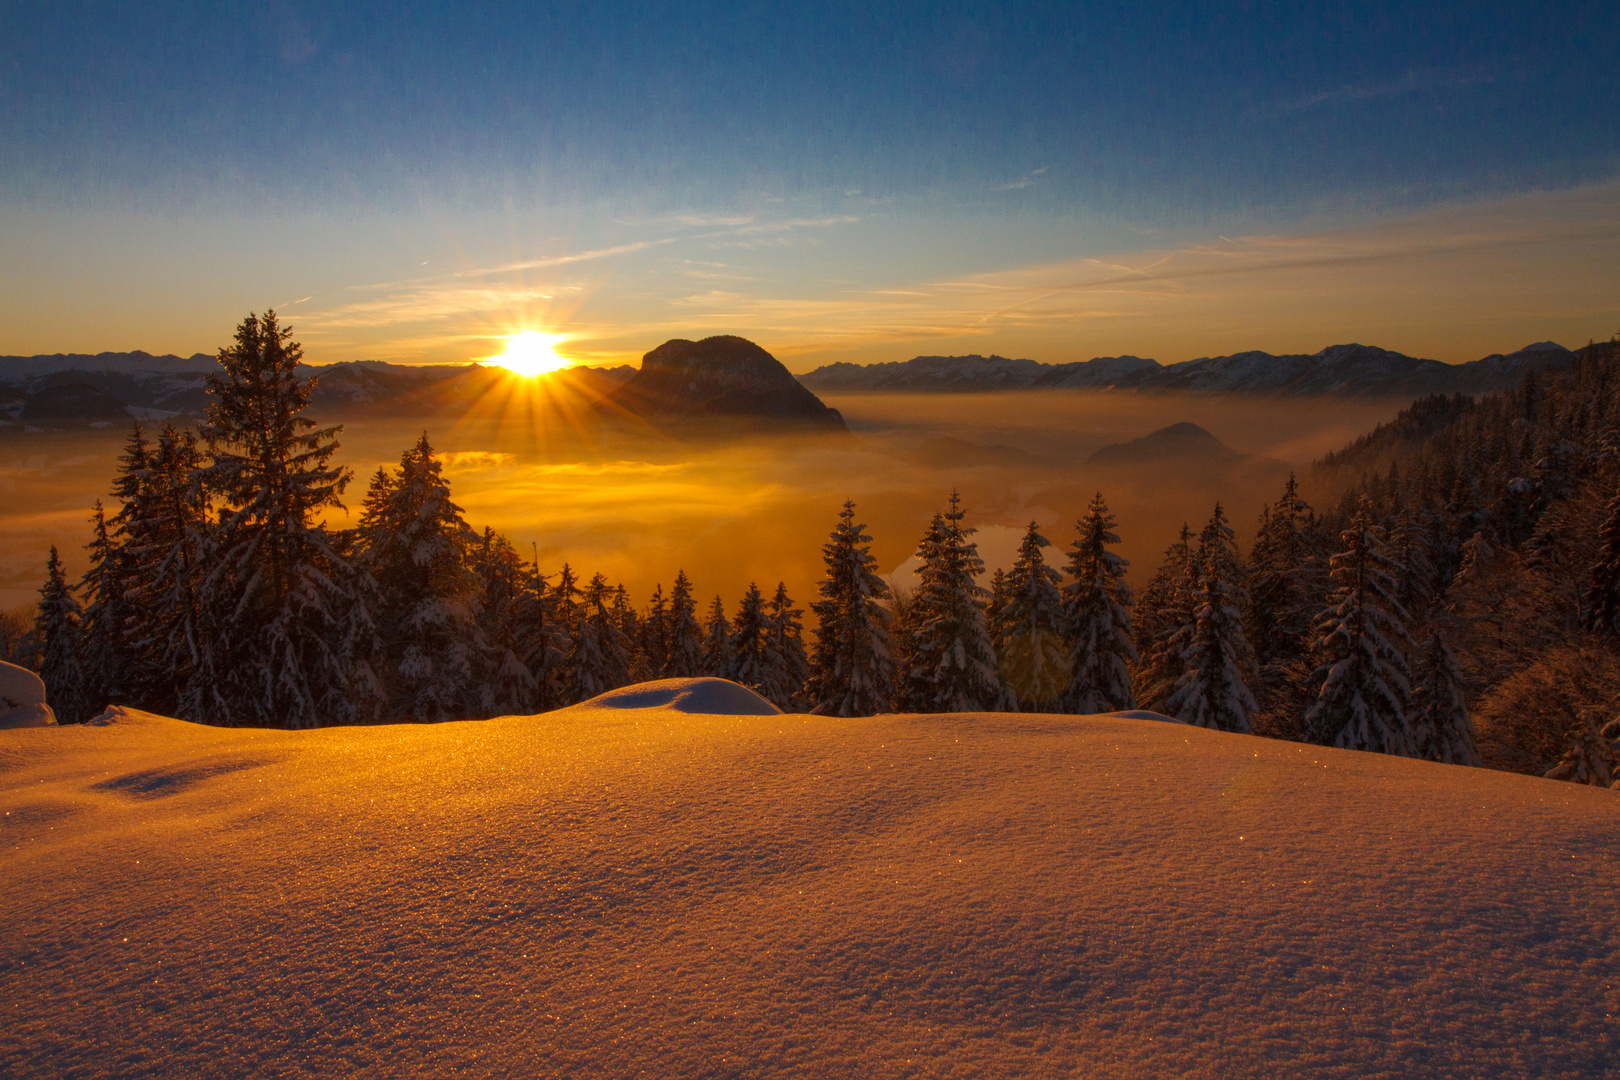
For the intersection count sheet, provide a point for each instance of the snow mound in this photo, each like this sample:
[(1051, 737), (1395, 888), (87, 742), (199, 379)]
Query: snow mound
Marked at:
[(714, 697), (1143, 714), (22, 699)]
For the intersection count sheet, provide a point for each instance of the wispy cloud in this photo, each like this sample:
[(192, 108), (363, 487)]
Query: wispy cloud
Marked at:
[(1412, 82)]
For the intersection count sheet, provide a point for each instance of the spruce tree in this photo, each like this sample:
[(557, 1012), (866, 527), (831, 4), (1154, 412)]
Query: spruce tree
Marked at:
[(1601, 610), (1283, 596), (952, 662), (1217, 663), (167, 531), (1441, 730), (59, 629), (655, 633), (1364, 679), (1593, 756), (629, 624), (851, 673), (506, 685), (684, 660), (717, 651), (751, 660), (1097, 619), (1031, 649), (1167, 608), (600, 658), (109, 654), (418, 549), (280, 617), (789, 665)]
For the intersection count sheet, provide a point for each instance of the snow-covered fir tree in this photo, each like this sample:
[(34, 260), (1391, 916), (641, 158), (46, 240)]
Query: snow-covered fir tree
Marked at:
[(717, 651), (655, 633), (851, 673), (1410, 545), (109, 654), (166, 530), (1283, 590), (1593, 756), (59, 629), (1600, 610), (1097, 619), (1027, 616), (1217, 663), (1441, 729), (751, 659), (684, 658), (789, 666), (1167, 606), (1364, 679), (281, 621), (952, 662), (629, 624), (417, 548), (506, 685), (600, 658), (543, 628)]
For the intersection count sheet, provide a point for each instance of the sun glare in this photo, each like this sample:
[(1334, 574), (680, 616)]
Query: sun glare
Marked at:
[(531, 353)]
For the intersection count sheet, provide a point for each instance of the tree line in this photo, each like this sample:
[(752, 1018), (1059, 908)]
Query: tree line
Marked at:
[(1447, 569)]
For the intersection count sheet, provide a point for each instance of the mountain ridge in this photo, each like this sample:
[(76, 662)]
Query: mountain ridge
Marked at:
[(1346, 370)]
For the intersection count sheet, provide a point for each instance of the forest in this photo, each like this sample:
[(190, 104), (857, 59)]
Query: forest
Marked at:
[(1458, 602)]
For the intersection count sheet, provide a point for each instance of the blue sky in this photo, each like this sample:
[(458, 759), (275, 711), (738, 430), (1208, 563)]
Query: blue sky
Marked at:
[(630, 172)]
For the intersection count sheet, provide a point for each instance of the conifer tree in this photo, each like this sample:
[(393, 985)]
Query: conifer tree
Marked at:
[(418, 549), (167, 531), (1283, 587), (629, 624), (789, 665), (281, 618), (685, 657), (1441, 730), (718, 658), (952, 661), (543, 630), (655, 633), (1217, 663), (1097, 619), (1364, 678), (59, 629), (109, 654), (751, 659), (1168, 605), (1601, 610), (851, 673), (600, 658), (506, 685), (1027, 609), (1593, 756)]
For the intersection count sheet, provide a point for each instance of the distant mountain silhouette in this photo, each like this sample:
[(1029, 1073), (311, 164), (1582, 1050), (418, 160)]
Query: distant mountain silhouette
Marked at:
[(1339, 370), (724, 377), (1179, 442)]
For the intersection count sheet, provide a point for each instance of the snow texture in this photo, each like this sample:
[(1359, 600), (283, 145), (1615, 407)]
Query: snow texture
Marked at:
[(22, 698), (619, 891)]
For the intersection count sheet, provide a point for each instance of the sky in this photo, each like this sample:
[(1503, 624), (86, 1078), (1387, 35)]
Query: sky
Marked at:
[(863, 182)]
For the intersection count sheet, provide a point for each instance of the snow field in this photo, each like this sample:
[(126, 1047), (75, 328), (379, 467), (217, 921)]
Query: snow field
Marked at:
[(621, 890)]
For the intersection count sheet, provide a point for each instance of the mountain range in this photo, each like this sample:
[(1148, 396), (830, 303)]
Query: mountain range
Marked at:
[(723, 379), (1338, 370)]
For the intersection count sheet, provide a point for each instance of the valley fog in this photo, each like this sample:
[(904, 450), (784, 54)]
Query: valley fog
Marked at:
[(758, 510)]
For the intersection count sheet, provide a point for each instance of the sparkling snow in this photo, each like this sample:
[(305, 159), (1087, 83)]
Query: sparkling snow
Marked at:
[(617, 889)]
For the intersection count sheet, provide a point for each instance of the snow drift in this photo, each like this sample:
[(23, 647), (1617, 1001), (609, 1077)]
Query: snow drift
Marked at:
[(619, 888), (22, 698)]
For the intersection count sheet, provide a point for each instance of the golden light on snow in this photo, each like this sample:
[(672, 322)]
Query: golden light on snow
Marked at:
[(532, 353)]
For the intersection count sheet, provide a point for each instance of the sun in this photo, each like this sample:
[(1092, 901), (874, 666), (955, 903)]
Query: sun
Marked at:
[(531, 353)]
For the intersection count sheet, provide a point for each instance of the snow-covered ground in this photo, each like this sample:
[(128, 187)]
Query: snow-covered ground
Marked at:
[(630, 889)]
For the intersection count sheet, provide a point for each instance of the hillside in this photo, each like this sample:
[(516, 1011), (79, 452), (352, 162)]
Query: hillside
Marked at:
[(1183, 442), (610, 891)]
